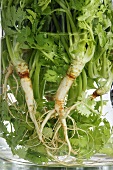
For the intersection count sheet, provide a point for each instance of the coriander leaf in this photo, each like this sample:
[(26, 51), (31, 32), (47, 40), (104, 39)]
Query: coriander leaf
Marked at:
[(51, 76), (24, 34), (13, 19), (35, 157), (101, 34), (33, 14), (21, 152), (5, 111), (44, 4), (83, 110)]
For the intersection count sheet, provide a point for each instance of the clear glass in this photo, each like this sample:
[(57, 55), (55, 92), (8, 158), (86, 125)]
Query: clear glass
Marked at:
[(50, 112), (10, 162)]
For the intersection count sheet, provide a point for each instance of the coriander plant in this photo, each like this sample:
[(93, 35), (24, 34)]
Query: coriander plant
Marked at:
[(53, 53)]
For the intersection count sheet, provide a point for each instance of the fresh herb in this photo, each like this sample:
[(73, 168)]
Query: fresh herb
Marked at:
[(52, 53)]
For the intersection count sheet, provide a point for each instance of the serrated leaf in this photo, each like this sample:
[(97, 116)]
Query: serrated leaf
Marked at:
[(24, 34), (5, 111), (83, 110), (35, 157), (101, 34), (33, 14), (44, 4), (13, 19), (82, 25), (51, 76), (21, 152)]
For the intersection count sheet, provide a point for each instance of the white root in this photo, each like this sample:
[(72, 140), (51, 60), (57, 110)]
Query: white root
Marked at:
[(64, 125), (74, 126), (27, 87), (23, 71), (67, 112), (74, 70), (73, 107), (56, 159), (46, 119), (56, 131)]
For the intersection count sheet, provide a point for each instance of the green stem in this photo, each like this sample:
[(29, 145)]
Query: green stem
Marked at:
[(72, 94), (63, 22), (10, 2), (62, 38), (15, 56), (104, 66), (90, 30), (9, 46), (69, 15), (42, 81), (69, 31), (42, 87), (32, 63), (36, 89), (79, 85)]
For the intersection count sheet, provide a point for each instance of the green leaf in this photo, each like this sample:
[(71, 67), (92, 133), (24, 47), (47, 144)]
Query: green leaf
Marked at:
[(82, 25), (35, 157), (83, 110), (23, 35), (48, 132), (13, 19), (101, 35), (91, 83), (5, 111), (51, 76), (21, 152), (74, 142), (57, 31), (108, 151), (33, 14), (44, 4)]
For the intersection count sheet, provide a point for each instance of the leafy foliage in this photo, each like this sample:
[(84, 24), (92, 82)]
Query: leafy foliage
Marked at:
[(48, 36)]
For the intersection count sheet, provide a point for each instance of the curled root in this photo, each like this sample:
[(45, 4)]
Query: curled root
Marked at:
[(49, 114)]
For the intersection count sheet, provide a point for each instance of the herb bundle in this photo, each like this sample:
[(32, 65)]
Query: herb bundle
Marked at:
[(53, 52)]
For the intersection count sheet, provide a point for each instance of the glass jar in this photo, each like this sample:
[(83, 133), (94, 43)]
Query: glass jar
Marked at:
[(56, 67)]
